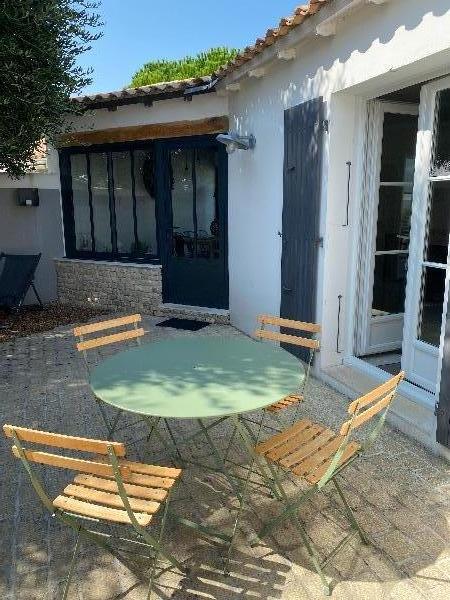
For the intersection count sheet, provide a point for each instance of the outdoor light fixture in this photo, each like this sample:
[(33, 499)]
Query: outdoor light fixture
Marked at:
[(234, 141)]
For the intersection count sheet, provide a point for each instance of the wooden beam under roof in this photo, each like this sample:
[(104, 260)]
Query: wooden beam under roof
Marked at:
[(149, 131)]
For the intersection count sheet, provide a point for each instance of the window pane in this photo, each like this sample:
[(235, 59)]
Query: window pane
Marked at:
[(438, 229), (442, 150), (431, 305), (206, 202), (123, 202), (100, 202), (182, 202), (81, 211), (389, 284), (144, 174), (394, 218), (399, 147)]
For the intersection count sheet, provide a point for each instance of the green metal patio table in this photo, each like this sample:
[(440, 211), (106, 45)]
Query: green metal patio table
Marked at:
[(199, 377)]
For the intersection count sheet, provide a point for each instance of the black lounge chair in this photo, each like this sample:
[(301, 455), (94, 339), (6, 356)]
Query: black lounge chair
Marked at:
[(16, 278)]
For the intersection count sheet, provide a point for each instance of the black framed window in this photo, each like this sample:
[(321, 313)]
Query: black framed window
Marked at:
[(109, 202)]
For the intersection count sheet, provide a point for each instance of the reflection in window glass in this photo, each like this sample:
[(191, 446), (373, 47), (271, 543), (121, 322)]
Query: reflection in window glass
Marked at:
[(389, 284), (123, 201), (182, 202), (438, 226), (81, 211), (207, 218), (441, 163), (394, 218), (144, 176), (399, 147), (100, 202), (431, 305)]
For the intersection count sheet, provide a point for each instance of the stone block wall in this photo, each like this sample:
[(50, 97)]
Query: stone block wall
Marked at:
[(112, 286)]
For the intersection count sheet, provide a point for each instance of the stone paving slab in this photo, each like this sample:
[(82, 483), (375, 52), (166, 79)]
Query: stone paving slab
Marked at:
[(400, 492)]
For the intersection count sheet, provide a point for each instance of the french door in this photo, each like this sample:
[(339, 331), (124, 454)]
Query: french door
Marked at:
[(428, 266), (194, 254), (392, 132)]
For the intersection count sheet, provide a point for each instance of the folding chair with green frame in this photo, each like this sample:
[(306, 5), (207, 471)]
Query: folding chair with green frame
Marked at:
[(84, 345), (317, 455), (108, 491), (310, 345)]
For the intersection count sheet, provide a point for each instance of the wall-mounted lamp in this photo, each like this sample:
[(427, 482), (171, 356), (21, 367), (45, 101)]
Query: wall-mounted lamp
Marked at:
[(234, 141)]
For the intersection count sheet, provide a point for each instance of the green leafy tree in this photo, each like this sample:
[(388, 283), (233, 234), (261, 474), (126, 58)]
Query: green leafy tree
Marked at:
[(204, 63), (40, 41)]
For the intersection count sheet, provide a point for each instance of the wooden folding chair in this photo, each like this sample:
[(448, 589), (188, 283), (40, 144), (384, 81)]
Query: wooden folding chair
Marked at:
[(316, 454), (310, 344), (84, 345), (107, 491)]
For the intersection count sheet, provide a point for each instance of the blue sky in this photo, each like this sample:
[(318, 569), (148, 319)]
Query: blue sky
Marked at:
[(136, 31)]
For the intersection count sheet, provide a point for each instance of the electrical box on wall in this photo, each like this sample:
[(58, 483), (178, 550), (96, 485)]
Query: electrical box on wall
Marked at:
[(28, 197)]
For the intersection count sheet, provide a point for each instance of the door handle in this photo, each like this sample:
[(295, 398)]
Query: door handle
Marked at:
[(286, 289)]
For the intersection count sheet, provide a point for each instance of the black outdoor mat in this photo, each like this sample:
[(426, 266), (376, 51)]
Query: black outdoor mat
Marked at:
[(188, 324)]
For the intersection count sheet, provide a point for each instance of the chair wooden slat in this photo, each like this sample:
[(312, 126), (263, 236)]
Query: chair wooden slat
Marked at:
[(67, 462), (155, 470), (367, 414), (315, 476), (110, 339), (376, 393), (114, 500), (287, 339), (314, 461), (109, 324), (63, 441), (110, 485), (285, 402), (293, 443), (280, 438), (289, 323), (95, 511), (308, 448), (163, 483)]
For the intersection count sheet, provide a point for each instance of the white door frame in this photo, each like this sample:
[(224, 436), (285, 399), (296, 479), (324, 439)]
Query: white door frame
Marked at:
[(376, 113), (421, 360)]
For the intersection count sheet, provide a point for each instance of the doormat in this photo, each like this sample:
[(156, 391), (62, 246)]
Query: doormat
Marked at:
[(187, 324)]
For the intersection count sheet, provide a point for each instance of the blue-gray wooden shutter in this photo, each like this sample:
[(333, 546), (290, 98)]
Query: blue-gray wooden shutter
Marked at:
[(443, 408), (303, 132)]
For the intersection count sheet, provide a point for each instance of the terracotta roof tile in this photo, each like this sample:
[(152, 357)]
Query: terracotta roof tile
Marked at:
[(285, 26)]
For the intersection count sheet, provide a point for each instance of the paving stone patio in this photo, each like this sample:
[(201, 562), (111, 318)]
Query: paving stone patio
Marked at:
[(401, 494)]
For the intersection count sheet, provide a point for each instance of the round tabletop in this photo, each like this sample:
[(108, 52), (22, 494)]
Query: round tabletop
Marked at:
[(197, 377)]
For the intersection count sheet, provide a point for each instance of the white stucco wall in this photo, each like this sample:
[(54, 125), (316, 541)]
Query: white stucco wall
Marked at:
[(377, 49)]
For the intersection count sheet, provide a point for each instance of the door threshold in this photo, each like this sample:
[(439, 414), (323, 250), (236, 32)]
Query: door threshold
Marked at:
[(200, 313)]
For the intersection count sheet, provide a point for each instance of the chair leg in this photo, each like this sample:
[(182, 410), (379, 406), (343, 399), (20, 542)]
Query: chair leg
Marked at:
[(351, 517), (36, 294), (72, 565)]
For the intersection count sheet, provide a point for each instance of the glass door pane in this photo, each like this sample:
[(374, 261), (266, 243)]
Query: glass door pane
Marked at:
[(182, 195), (206, 204), (394, 213)]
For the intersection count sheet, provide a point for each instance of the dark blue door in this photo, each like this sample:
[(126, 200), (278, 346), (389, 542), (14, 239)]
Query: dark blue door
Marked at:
[(194, 176)]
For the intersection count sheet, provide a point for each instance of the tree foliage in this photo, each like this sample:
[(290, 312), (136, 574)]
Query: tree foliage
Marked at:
[(204, 63), (40, 41)]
